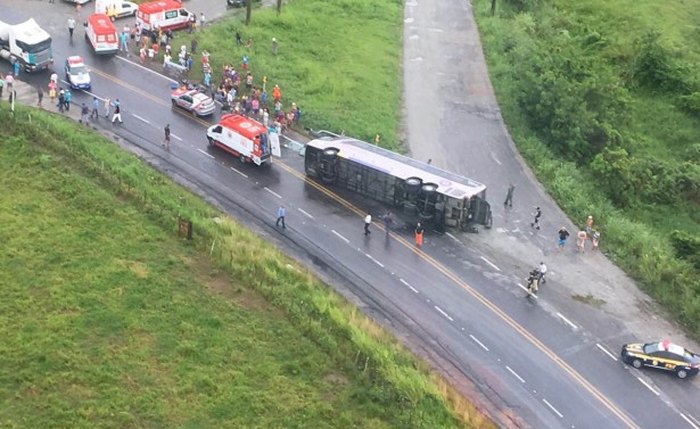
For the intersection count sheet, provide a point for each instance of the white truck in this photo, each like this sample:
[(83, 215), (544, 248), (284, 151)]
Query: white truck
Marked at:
[(27, 43)]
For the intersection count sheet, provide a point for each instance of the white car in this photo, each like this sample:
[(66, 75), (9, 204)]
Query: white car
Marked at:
[(122, 8), (77, 74)]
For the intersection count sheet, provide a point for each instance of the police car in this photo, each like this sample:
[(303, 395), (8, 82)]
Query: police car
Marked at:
[(662, 355), (77, 74), (193, 100)]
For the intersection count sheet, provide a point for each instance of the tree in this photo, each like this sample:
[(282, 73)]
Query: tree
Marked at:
[(248, 11), (279, 6)]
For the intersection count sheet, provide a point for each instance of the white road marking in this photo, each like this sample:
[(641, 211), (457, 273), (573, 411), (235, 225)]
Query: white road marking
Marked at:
[(305, 213), (90, 93), (490, 263), (140, 118), (693, 419), (525, 289), (175, 137), (209, 155), (146, 69), (561, 416), (240, 172), (273, 192), (648, 386), (375, 261), (568, 322), (478, 342), (408, 285), (493, 155), (515, 374), (689, 421), (452, 237), (606, 352), (341, 237), (444, 314)]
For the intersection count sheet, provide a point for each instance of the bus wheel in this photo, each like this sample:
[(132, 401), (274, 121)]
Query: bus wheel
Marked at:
[(330, 152), (429, 188), (412, 184)]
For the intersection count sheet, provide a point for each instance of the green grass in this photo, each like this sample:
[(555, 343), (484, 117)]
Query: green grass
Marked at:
[(109, 320), (636, 236), (338, 60)]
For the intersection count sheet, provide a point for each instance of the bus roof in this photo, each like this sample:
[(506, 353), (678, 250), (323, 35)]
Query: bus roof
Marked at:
[(101, 23), (244, 126), (449, 184), (159, 6)]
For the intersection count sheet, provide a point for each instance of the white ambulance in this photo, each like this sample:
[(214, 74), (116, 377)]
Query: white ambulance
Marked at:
[(163, 14), (242, 137), (101, 34)]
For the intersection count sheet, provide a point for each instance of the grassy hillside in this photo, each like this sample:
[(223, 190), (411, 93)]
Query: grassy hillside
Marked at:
[(109, 320), (603, 99)]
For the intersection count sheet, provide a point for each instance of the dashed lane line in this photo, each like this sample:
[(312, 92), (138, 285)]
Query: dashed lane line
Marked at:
[(490, 263), (648, 386), (567, 321), (551, 407), (408, 285), (305, 213), (478, 342), (690, 422), (140, 118), (240, 172), (207, 154), (515, 374), (452, 237), (441, 311), (146, 69), (340, 236), (374, 260), (525, 289), (273, 192), (612, 356), (175, 137)]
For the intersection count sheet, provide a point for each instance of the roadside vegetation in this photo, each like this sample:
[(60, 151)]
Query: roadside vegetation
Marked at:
[(603, 100), (108, 319), (338, 60)]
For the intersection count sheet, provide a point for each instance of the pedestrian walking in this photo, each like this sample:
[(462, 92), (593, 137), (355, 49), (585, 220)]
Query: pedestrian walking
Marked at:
[(61, 100), (276, 93), (274, 46), (68, 97), (388, 222), (239, 40), (52, 91), (281, 214), (536, 222), (563, 236), (595, 239), (124, 42), (542, 270), (107, 105), (84, 112), (419, 234), (117, 115), (54, 78), (368, 222), (71, 27), (9, 82), (509, 196), (166, 140), (202, 20), (95, 113), (581, 241), (39, 95), (589, 226)]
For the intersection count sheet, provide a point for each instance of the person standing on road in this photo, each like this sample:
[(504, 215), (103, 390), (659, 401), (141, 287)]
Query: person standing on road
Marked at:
[(107, 105), (509, 196), (536, 222), (166, 140), (71, 27), (94, 113), (61, 100), (84, 112), (117, 112), (388, 222), (563, 235), (368, 222), (281, 214), (542, 270), (124, 42), (419, 234), (68, 97), (39, 95), (581, 241)]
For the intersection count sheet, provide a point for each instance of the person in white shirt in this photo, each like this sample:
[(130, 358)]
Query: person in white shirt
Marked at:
[(542, 270), (368, 222)]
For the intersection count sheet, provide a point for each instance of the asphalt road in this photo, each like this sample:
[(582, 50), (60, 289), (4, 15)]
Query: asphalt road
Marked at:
[(529, 363)]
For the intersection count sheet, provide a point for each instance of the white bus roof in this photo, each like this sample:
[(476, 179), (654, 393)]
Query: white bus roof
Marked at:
[(449, 184)]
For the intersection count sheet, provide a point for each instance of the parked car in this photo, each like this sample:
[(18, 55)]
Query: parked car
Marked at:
[(193, 100), (236, 3), (662, 355)]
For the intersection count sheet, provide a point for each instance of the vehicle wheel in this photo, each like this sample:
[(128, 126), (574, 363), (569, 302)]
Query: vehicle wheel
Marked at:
[(174, 103), (682, 373), (429, 188), (242, 159), (637, 363), (330, 152), (412, 184), (211, 141)]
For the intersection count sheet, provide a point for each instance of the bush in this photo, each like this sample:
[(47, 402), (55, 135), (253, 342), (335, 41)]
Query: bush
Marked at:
[(655, 69)]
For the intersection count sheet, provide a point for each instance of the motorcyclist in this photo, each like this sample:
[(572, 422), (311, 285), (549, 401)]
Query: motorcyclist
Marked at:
[(533, 281)]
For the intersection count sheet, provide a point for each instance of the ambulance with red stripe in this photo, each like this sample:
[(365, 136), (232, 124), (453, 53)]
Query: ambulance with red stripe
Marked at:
[(242, 137), (163, 14), (101, 34)]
